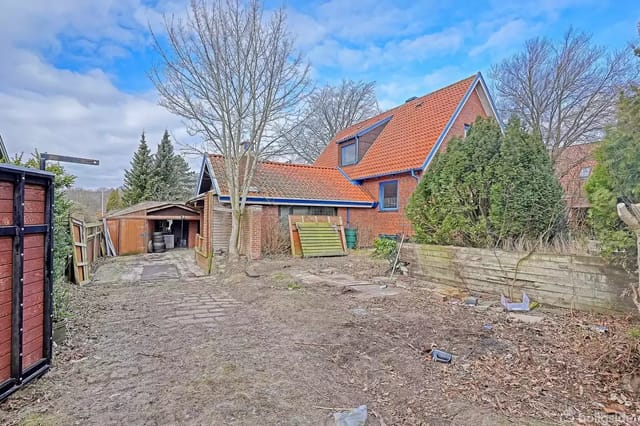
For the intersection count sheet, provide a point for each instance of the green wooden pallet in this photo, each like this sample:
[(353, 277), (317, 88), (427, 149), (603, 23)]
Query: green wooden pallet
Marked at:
[(320, 239)]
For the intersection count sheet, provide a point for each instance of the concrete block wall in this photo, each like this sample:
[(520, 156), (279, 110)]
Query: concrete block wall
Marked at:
[(585, 283)]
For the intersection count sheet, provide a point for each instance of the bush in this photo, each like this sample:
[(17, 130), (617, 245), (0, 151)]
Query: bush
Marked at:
[(276, 239), (616, 176), (486, 188), (385, 248)]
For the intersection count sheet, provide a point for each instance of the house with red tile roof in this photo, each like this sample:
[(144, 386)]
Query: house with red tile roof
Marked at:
[(366, 174), (573, 166), (387, 154)]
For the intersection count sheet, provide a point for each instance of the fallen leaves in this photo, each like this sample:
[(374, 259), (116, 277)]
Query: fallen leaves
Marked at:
[(538, 371)]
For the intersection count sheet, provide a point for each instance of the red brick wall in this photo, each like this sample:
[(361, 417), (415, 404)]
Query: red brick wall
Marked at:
[(568, 166), (470, 112), (251, 233), (372, 222)]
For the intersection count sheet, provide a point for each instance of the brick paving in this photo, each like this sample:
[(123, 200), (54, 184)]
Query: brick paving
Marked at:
[(204, 310)]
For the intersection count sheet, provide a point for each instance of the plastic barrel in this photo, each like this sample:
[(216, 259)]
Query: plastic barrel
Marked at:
[(351, 235)]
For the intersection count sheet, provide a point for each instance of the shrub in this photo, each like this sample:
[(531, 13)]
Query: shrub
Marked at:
[(385, 248), (487, 187), (276, 239), (616, 176)]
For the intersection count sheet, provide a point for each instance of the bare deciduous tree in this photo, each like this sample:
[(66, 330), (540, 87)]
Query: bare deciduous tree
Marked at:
[(567, 90), (232, 73), (327, 111)]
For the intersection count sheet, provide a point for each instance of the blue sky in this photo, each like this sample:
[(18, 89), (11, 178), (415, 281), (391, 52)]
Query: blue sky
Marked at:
[(73, 79)]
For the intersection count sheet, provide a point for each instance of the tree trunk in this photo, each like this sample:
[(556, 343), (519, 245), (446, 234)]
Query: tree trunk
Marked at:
[(234, 238)]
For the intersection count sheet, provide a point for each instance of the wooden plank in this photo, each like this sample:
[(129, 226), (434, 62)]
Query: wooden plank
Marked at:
[(33, 265), (164, 217), (33, 322), (6, 244), (34, 218), (6, 208), (34, 193), (132, 236), (5, 367), (6, 270), (6, 282), (5, 296), (33, 240), (6, 190)]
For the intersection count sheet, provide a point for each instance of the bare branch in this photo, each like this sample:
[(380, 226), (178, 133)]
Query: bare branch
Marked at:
[(327, 111), (566, 91), (232, 74)]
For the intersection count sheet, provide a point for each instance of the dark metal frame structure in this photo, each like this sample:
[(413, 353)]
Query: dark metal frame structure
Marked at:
[(21, 176)]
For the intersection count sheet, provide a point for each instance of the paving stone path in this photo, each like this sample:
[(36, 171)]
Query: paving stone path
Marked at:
[(206, 309)]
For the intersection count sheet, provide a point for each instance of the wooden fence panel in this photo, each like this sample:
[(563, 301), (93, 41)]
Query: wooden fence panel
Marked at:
[(26, 286), (6, 275)]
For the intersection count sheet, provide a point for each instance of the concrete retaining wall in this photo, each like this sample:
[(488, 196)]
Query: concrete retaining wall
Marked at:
[(570, 281)]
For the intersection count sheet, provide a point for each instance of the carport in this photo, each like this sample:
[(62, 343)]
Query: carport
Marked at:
[(131, 229)]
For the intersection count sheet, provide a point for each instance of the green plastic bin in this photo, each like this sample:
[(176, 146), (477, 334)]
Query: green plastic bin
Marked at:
[(351, 235)]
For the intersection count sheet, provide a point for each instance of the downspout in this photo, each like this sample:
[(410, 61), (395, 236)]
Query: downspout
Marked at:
[(413, 175), (348, 217)]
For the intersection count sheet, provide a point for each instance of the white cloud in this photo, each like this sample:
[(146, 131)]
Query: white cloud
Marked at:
[(389, 54), (77, 113), (512, 32), (400, 88)]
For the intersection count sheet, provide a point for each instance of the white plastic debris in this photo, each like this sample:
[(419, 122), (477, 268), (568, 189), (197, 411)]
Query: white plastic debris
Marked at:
[(514, 306), (355, 417)]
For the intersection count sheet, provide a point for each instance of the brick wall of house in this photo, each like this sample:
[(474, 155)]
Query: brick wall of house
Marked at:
[(251, 233), (470, 112), (372, 222)]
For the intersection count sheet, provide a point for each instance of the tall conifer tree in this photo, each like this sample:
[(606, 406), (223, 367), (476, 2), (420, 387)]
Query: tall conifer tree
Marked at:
[(138, 180)]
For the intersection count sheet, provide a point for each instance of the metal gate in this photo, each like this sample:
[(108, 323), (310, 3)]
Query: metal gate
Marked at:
[(26, 281)]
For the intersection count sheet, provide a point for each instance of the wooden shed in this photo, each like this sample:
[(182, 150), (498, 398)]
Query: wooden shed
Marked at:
[(26, 281), (131, 229)]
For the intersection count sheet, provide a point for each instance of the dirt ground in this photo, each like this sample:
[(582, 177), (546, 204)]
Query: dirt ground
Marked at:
[(291, 341)]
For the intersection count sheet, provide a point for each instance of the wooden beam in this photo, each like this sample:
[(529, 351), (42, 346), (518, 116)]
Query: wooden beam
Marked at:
[(66, 159), (194, 218)]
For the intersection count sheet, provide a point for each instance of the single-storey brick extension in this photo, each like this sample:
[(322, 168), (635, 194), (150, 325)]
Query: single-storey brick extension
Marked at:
[(366, 174)]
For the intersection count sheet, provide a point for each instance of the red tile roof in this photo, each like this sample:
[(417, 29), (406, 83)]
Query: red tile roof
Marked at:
[(295, 181), (568, 165), (407, 139)]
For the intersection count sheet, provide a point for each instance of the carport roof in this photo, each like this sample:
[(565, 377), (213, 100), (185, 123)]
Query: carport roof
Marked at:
[(147, 206)]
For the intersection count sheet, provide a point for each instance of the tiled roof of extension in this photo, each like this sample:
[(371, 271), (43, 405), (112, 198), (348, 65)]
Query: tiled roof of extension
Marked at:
[(295, 181), (407, 139)]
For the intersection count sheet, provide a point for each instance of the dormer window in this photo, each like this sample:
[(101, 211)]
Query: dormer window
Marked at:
[(354, 147), (348, 154)]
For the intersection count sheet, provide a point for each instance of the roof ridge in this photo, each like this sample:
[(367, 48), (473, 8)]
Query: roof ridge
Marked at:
[(407, 102), (279, 163)]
